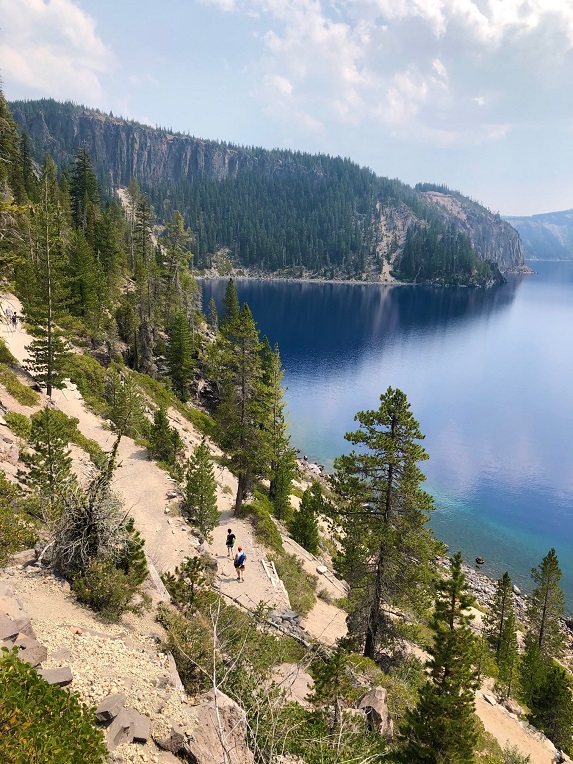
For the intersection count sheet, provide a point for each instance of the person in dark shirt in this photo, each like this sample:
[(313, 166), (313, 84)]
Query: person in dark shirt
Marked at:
[(230, 543)]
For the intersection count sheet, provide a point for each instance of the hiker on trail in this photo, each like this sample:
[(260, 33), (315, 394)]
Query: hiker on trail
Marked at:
[(559, 758), (240, 559), (14, 320), (230, 543)]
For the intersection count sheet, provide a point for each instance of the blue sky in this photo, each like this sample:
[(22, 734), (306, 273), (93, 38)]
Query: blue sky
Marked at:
[(476, 94)]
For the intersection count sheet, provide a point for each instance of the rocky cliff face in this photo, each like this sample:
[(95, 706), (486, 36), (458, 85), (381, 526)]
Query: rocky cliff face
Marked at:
[(126, 149), (495, 239)]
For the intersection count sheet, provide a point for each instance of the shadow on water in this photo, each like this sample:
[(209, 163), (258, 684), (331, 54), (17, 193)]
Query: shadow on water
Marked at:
[(303, 315)]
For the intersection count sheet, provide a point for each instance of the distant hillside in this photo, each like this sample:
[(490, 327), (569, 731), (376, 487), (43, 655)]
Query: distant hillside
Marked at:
[(546, 237), (282, 211)]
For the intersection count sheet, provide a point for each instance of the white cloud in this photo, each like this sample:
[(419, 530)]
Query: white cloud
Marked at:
[(437, 70), (52, 48)]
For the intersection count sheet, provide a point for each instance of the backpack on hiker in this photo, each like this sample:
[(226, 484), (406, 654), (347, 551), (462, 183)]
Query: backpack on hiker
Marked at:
[(240, 561)]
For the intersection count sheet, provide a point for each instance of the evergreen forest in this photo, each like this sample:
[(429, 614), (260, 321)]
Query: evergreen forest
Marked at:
[(276, 211)]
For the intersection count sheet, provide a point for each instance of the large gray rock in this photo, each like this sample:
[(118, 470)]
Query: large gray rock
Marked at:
[(110, 707), (9, 629), (206, 746), (31, 650), (212, 740), (60, 676), (376, 708), (127, 727)]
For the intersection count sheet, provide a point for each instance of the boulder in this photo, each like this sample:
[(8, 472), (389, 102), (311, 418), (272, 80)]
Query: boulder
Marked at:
[(12, 608), (322, 569), (31, 650), (489, 699), (9, 629), (512, 706), (376, 708), (204, 745), (60, 676), (127, 727), (110, 707), (175, 742)]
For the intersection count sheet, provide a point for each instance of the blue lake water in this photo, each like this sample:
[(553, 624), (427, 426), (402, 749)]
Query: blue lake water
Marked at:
[(488, 374)]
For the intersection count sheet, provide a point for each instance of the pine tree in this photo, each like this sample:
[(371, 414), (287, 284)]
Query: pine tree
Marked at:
[(212, 315), (506, 683), (544, 639), (553, 707), (165, 443), (231, 307), (49, 464), (177, 261), (333, 687), (180, 350), (124, 404), (84, 195), (441, 727), (47, 294), (383, 513), (282, 457), (304, 526), (546, 607), (200, 502), (241, 414), (500, 609)]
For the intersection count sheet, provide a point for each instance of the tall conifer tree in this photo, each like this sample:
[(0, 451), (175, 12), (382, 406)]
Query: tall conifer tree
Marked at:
[(441, 727), (200, 502), (241, 414), (48, 292), (383, 513)]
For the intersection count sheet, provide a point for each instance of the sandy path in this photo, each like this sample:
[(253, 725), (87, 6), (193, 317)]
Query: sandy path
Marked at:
[(140, 482)]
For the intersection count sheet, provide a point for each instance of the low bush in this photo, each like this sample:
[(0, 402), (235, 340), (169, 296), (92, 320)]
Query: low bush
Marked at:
[(22, 393), (201, 421), (107, 590), (5, 355), (300, 585), (41, 723), (259, 513), (17, 532), (19, 424), (89, 376)]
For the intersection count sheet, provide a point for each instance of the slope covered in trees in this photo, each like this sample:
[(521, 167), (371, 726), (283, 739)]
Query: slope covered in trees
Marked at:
[(278, 211)]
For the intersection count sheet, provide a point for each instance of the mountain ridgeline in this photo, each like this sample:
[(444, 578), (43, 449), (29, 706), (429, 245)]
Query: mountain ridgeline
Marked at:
[(548, 236), (278, 211)]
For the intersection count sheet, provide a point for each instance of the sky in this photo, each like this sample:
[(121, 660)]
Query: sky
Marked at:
[(475, 94)]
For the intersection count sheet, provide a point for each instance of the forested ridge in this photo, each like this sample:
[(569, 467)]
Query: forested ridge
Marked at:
[(279, 211), (110, 302)]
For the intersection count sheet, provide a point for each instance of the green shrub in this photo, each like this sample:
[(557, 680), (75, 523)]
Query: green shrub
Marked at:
[(106, 589), (201, 421), (299, 584), (17, 532), (90, 446), (22, 393), (19, 424), (89, 376), (41, 723), (259, 513), (5, 355)]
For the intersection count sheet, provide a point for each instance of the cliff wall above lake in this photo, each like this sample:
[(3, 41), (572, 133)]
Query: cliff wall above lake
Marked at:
[(278, 210)]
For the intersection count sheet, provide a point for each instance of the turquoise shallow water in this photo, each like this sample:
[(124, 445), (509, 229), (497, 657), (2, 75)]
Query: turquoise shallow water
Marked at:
[(488, 375)]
